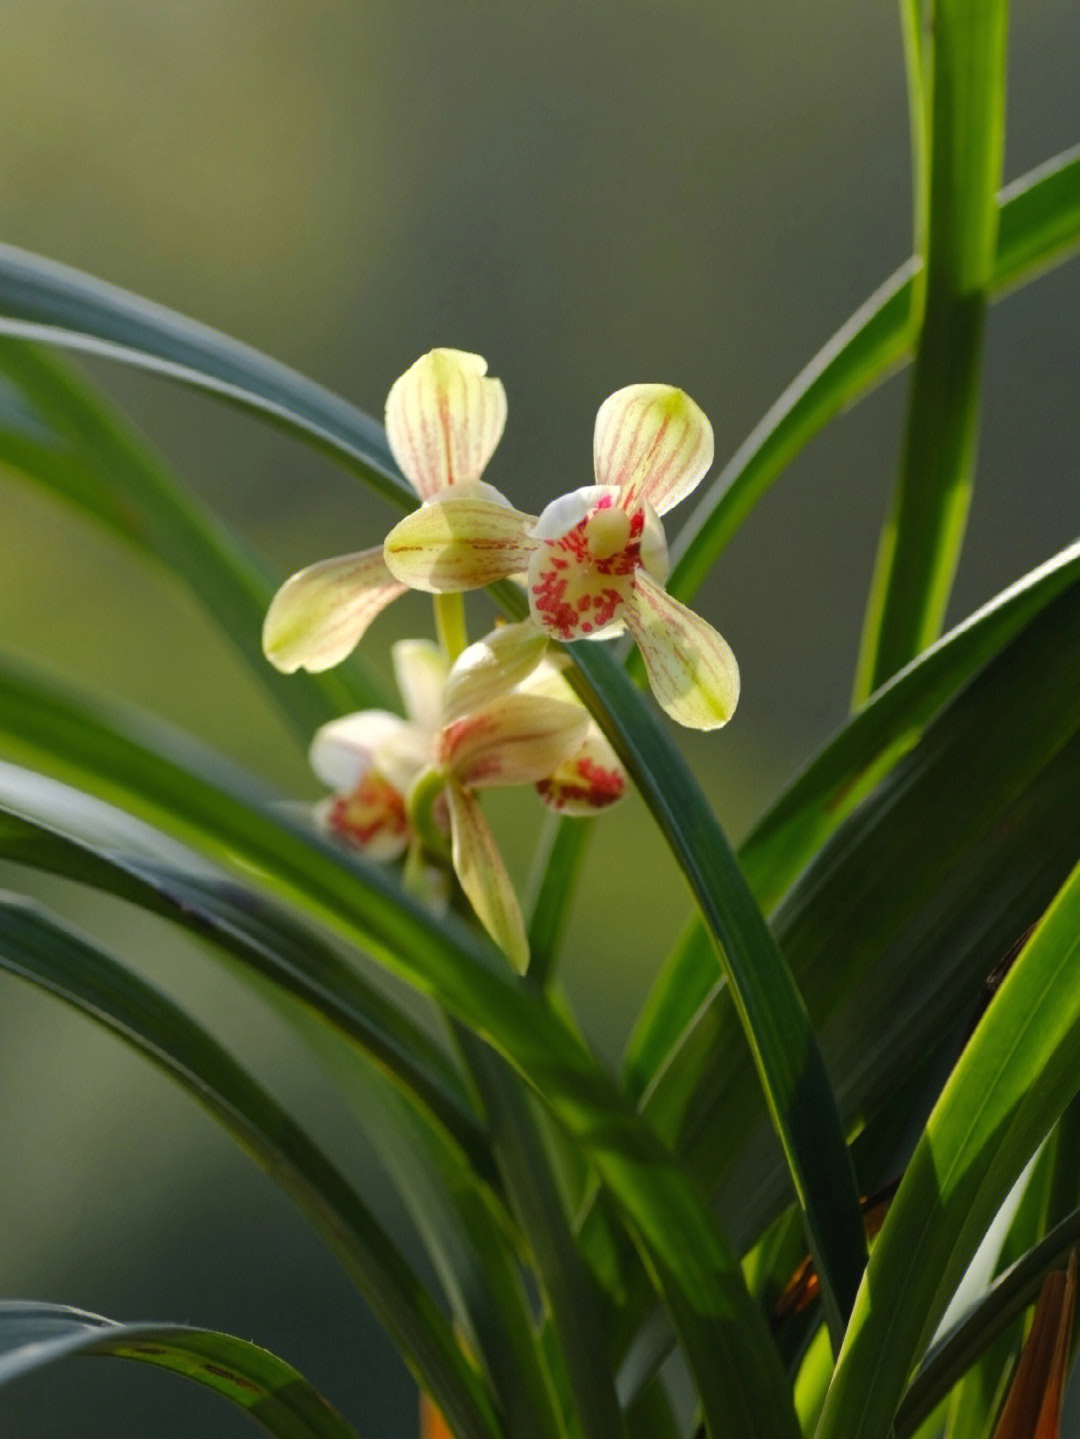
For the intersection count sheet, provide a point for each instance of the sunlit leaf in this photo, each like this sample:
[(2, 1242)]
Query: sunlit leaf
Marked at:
[(963, 66), (1015, 1077)]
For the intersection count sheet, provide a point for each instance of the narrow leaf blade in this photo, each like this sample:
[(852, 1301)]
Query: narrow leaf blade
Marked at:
[(34, 1336)]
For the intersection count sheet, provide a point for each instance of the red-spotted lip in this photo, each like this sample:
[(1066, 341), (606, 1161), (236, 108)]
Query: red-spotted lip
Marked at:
[(583, 782), (572, 593), (373, 810)]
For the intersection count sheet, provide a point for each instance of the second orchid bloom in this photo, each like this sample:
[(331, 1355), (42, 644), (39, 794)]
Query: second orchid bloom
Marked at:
[(411, 783)]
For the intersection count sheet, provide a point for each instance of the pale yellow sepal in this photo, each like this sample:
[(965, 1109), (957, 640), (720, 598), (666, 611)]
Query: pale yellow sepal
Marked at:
[(319, 614), (459, 544), (492, 666), (482, 874), (691, 668), (444, 419), (420, 671), (654, 442), (516, 739)]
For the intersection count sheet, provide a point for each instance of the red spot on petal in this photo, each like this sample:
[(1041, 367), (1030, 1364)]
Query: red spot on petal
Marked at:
[(373, 808), (589, 783)]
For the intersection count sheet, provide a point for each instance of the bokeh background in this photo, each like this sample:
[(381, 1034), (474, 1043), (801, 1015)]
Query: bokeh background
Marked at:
[(589, 195)]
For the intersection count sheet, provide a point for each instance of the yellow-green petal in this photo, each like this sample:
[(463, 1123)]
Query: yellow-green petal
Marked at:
[(492, 666), (515, 739), (319, 614), (420, 670), (654, 443), (459, 544), (480, 869), (444, 419), (691, 668)]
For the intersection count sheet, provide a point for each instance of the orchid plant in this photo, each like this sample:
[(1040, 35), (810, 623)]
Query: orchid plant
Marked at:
[(853, 1090)]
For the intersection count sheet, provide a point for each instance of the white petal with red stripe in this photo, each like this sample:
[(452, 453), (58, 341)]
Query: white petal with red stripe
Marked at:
[(516, 739)]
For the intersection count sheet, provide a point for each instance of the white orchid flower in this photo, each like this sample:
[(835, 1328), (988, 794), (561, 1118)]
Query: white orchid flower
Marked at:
[(465, 729), (596, 559), (443, 421)]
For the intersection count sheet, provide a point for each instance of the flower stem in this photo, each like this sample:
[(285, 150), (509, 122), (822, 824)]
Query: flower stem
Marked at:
[(450, 624), (421, 802)]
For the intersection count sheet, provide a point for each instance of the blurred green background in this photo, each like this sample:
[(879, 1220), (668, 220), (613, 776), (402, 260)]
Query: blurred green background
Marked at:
[(589, 196)]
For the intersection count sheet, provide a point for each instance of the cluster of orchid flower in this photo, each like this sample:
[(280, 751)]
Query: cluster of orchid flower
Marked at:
[(500, 711)]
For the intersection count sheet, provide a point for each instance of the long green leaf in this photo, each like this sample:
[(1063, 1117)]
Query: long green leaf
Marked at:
[(1015, 1077), (838, 778), (45, 952), (470, 1239), (463, 1236), (267, 1389), (771, 1011), (667, 1214), (54, 429), (889, 937), (1039, 221), (1040, 226), (964, 55), (41, 292), (555, 874), (572, 1297), (51, 826), (457, 1205)]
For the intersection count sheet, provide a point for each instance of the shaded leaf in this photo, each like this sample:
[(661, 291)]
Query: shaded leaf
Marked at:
[(40, 949), (54, 429), (1015, 1077), (211, 810), (267, 1389), (51, 826), (832, 785), (878, 900)]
